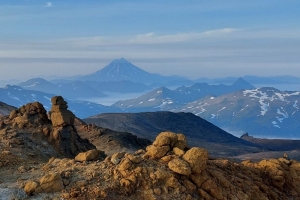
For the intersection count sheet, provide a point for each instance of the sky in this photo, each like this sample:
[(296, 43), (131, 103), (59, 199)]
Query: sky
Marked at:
[(193, 38)]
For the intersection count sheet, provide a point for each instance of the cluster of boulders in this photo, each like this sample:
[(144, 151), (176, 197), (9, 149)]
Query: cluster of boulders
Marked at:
[(165, 168), (279, 171), (51, 182), (171, 148), (155, 173), (30, 115), (57, 126)]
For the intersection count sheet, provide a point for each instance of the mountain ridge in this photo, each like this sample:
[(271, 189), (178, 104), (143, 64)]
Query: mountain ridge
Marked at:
[(263, 112), (17, 96), (163, 98), (198, 131)]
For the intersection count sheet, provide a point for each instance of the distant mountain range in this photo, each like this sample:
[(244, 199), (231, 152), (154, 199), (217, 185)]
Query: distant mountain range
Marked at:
[(199, 132), (71, 90), (263, 112), (285, 82), (83, 89), (17, 96), (231, 103), (121, 76), (164, 99)]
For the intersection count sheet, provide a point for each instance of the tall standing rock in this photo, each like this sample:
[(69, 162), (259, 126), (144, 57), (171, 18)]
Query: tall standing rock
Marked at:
[(64, 136)]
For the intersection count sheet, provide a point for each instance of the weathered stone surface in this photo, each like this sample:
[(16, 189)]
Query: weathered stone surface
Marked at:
[(64, 136), (180, 166), (126, 164), (29, 115), (13, 114), (168, 158), (62, 118), (178, 151), (51, 183), (162, 140), (156, 152), (90, 155), (58, 100), (197, 159), (182, 141), (166, 138), (116, 158), (30, 187), (134, 159)]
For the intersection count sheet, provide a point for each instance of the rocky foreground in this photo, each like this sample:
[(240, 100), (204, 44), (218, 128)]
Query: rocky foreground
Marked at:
[(43, 157)]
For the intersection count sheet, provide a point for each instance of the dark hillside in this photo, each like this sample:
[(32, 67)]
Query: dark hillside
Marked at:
[(198, 131)]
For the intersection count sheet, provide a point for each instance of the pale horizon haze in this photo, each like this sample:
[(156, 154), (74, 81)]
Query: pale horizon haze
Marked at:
[(187, 38)]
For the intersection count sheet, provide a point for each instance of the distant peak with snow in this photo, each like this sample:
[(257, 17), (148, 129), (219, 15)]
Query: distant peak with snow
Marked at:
[(121, 69)]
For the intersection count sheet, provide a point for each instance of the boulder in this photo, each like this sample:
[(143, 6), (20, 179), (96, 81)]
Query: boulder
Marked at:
[(90, 155), (116, 158), (50, 183), (182, 141), (30, 187), (180, 166), (134, 159), (197, 158), (179, 152), (156, 152), (166, 138)]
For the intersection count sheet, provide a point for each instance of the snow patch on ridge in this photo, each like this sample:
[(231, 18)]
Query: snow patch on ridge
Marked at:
[(295, 105), (284, 114)]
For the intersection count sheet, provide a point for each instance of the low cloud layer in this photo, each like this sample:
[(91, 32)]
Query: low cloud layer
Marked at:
[(231, 51)]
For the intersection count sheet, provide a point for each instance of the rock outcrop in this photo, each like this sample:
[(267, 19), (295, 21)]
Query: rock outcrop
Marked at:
[(56, 127), (64, 136), (30, 115), (190, 176), (90, 155), (166, 169)]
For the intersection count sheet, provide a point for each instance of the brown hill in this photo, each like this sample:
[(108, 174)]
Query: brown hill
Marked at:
[(198, 131), (108, 140)]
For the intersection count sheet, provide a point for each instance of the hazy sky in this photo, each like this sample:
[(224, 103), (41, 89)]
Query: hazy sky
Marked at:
[(191, 38)]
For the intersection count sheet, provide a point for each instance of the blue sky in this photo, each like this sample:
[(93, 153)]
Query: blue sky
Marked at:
[(190, 38)]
